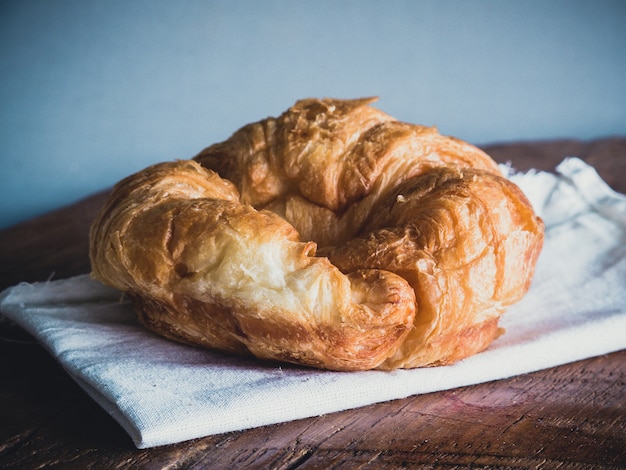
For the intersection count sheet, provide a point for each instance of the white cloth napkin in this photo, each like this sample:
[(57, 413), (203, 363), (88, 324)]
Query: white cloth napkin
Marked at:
[(162, 392)]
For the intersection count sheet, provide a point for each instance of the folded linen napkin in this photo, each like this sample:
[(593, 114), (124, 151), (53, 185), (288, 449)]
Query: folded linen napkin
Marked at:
[(163, 392)]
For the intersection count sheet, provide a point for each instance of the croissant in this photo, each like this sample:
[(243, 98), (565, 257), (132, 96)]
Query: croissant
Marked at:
[(333, 236)]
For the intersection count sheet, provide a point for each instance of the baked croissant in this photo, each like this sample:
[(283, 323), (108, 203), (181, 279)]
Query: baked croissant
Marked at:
[(333, 236)]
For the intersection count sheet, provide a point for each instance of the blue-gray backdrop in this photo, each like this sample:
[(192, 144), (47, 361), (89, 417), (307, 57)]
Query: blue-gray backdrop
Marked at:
[(93, 90)]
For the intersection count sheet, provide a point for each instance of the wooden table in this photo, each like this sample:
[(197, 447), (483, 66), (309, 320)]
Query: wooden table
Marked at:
[(573, 416)]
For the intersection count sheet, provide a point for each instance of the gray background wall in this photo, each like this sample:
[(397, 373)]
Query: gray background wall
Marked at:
[(91, 91)]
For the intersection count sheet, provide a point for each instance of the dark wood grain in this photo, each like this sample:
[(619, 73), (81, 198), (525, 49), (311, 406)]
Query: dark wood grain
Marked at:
[(573, 416)]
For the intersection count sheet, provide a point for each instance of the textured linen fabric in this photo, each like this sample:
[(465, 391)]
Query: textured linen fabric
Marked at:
[(162, 392)]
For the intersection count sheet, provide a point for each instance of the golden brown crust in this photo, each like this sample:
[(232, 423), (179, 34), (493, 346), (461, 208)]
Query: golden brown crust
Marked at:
[(332, 236), (467, 242)]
